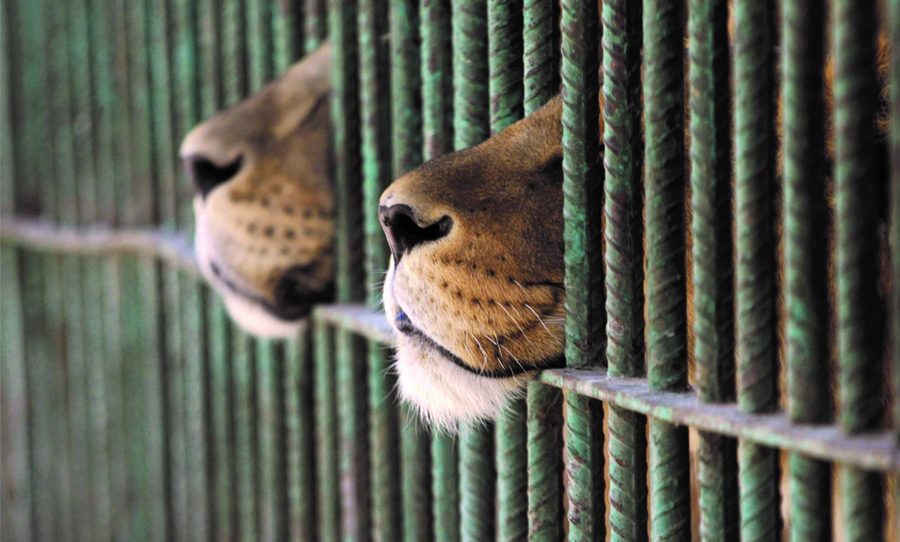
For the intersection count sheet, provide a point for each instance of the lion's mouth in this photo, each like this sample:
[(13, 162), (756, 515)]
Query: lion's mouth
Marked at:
[(286, 312), (404, 325)]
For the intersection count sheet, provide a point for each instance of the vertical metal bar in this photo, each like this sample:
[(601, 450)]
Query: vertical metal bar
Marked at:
[(287, 32), (504, 21), (222, 421), (350, 351), (216, 376), (470, 127), (187, 87), (29, 36), (805, 258), (14, 414), (406, 138), (711, 256), (544, 403), (300, 434), (327, 479), (755, 258), (270, 442), (437, 138), (106, 375), (623, 268), (585, 317), (375, 82), (663, 83), (859, 318), (243, 367), (315, 24)]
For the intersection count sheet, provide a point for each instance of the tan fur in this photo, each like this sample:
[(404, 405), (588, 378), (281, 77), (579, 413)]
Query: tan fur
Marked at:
[(277, 212)]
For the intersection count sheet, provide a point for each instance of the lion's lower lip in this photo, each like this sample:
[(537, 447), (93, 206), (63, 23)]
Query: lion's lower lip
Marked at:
[(404, 325)]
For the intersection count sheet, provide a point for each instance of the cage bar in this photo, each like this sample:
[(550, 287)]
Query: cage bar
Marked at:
[(585, 341), (543, 403), (859, 319), (666, 334)]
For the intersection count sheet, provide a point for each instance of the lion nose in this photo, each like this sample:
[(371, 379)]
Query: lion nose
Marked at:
[(206, 174), (404, 232)]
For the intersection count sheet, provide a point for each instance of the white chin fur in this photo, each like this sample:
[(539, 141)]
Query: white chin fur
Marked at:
[(446, 395), (250, 316), (255, 320)]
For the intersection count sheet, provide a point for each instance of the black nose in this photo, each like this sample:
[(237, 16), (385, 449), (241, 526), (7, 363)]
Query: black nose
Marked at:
[(207, 174), (404, 233), (293, 298)]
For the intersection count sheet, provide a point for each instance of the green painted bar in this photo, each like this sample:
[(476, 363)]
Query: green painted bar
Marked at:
[(223, 507), (585, 317), (15, 445), (374, 84), (666, 334), (711, 234), (349, 350), (804, 210), (350, 282), (505, 51), (543, 403), (17, 521), (756, 347), (66, 85), (406, 150), (287, 34), (626, 431), (437, 138), (188, 59), (300, 438), (270, 441), (470, 127), (216, 332), (328, 497), (246, 480), (315, 24), (860, 321)]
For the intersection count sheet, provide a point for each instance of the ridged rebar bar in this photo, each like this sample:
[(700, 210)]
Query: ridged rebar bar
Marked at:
[(666, 336), (345, 116), (622, 160), (471, 114), (437, 138), (327, 480), (544, 403), (711, 250), (755, 257), (806, 257), (504, 21), (406, 127), (374, 84), (860, 323), (315, 24), (585, 340)]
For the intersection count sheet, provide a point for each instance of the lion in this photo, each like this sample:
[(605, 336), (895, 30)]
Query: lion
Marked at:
[(474, 289), (264, 201)]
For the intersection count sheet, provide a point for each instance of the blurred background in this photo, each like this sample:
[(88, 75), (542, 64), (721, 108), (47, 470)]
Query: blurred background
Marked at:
[(131, 408)]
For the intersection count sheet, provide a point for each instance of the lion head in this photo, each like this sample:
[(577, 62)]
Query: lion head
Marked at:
[(264, 202), (475, 285)]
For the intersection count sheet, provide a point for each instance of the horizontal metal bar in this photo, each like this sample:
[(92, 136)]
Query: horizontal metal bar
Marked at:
[(359, 319), (876, 450), (40, 235)]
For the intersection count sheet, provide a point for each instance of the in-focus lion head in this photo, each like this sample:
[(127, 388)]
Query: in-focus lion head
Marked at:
[(475, 286), (264, 204)]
